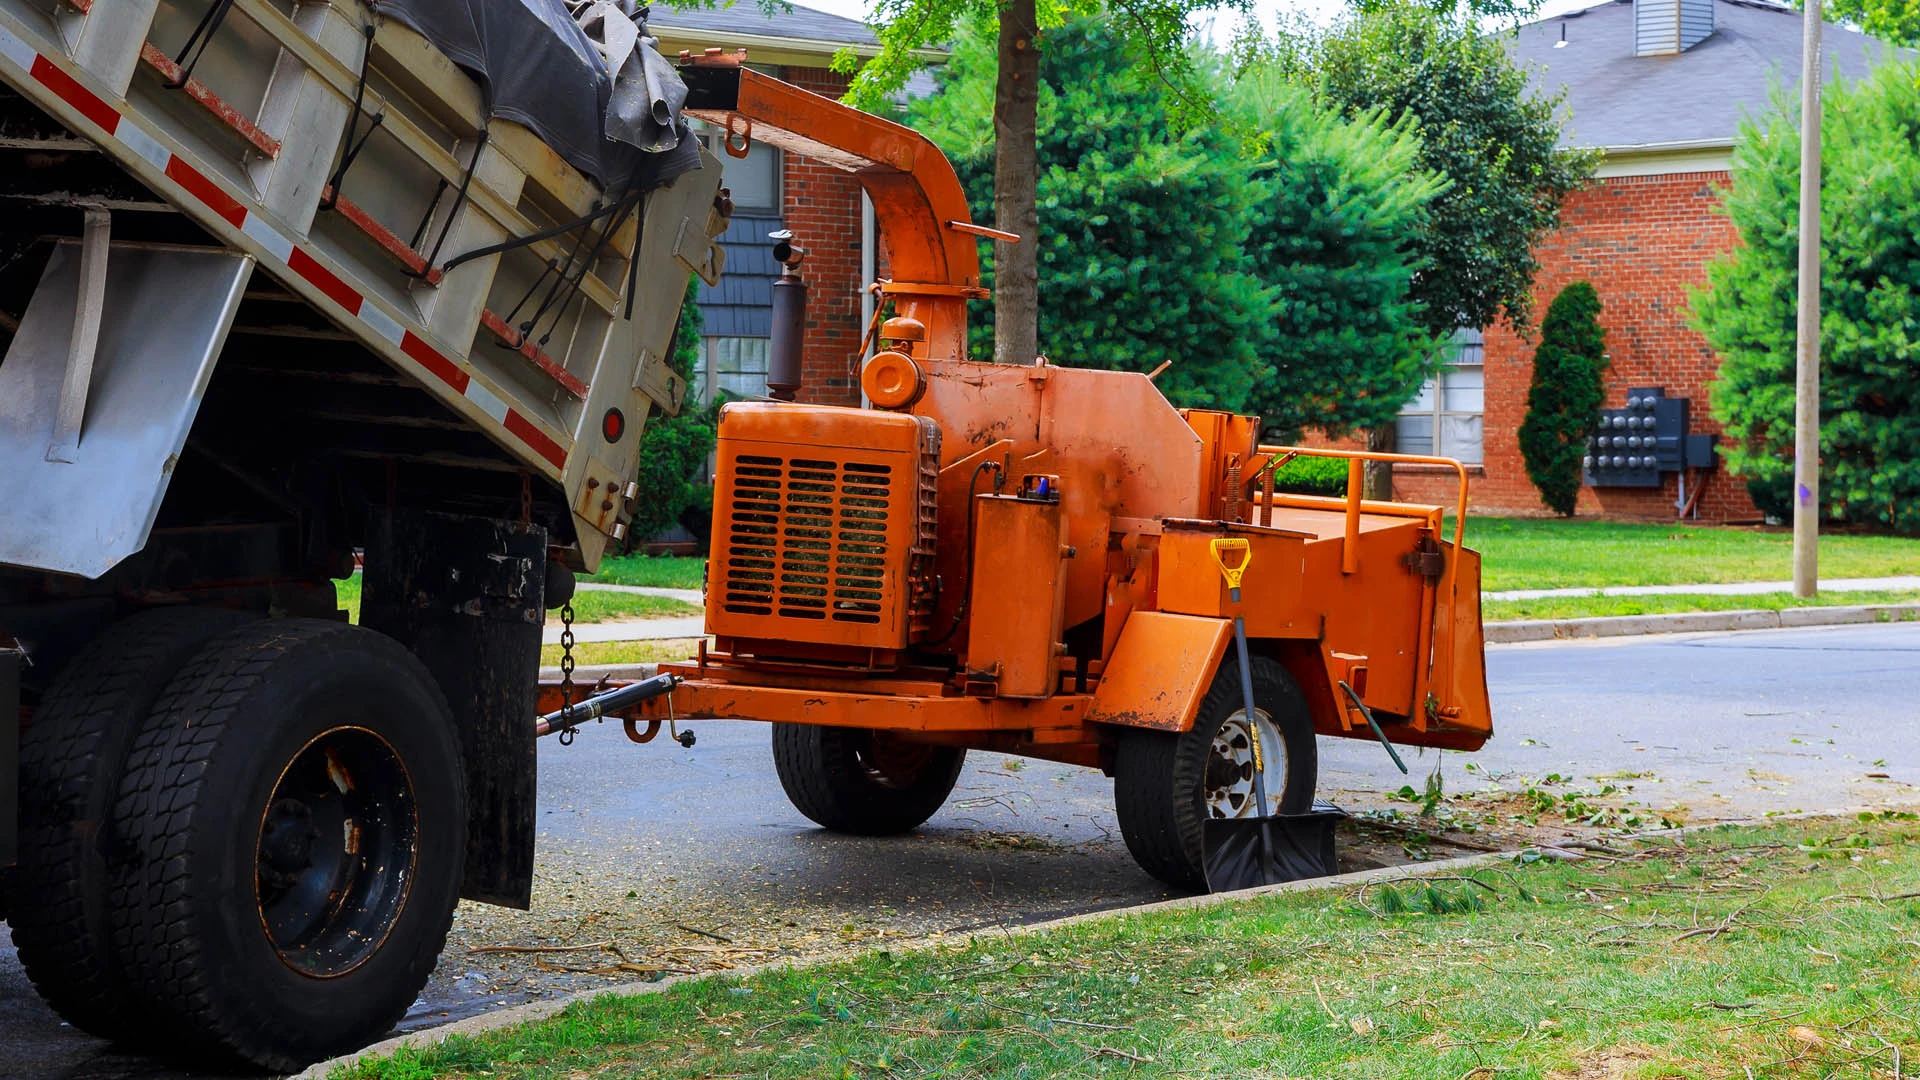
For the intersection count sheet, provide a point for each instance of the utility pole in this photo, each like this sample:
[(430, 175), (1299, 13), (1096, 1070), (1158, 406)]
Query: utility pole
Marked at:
[(1806, 393)]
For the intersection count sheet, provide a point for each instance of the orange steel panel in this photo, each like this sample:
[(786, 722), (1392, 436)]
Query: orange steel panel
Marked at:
[(1272, 592), (1462, 684), (817, 517), (1119, 449), (1019, 594), (1160, 670)]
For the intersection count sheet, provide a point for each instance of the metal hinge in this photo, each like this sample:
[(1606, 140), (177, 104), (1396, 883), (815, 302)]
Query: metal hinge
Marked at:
[(1428, 560)]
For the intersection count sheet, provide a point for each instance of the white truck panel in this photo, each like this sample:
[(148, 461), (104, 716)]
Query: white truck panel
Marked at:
[(246, 147)]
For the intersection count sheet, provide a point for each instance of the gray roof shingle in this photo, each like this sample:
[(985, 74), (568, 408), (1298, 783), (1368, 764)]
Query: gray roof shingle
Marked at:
[(1618, 100), (745, 17)]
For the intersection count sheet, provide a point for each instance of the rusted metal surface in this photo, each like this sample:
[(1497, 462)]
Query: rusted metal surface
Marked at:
[(1160, 670), (240, 122)]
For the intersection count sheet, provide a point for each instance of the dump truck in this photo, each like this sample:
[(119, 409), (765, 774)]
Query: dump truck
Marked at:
[(284, 285), (292, 288)]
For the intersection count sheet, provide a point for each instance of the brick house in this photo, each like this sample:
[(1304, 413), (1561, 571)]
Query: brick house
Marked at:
[(822, 205), (1660, 87)]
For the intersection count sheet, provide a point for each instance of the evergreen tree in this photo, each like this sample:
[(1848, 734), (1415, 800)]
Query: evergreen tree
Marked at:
[(1869, 299), (1337, 209), (1564, 401), (1270, 262)]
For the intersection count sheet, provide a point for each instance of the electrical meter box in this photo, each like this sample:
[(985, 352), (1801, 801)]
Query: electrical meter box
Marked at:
[(1632, 446)]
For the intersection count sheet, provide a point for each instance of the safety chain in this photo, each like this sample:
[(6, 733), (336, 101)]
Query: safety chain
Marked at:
[(566, 673)]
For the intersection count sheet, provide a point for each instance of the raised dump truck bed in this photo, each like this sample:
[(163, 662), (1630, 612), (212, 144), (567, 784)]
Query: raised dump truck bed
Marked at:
[(245, 140)]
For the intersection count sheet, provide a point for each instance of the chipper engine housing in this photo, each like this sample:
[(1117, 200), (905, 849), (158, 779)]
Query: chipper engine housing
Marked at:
[(824, 532)]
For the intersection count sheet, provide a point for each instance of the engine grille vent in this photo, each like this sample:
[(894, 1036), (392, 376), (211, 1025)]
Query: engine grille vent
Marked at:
[(809, 538)]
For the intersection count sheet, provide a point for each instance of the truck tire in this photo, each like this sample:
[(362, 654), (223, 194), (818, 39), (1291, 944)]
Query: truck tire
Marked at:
[(1166, 784), (71, 757), (867, 783), (296, 812)]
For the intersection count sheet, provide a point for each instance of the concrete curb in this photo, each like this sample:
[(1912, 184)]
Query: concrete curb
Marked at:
[(1694, 622), (540, 1010)]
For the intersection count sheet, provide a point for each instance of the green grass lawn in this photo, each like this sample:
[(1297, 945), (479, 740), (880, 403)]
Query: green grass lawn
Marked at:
[(1548, 553), (623, 652), (589, 606), (1791, 951), (1580, 607), (658, 571)]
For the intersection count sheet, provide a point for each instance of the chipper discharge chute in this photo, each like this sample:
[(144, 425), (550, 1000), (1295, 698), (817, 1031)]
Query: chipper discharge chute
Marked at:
[(1048, 561)]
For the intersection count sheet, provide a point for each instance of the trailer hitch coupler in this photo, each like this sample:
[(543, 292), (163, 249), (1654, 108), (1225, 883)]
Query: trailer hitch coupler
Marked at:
[(599, 705)]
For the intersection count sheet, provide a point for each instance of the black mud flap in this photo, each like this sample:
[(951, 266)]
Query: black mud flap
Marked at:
[(1266, 851), (467, 595)]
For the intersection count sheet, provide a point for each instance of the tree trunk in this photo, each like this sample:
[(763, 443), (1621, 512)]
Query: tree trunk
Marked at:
[(1016, 179), (1379, 482)]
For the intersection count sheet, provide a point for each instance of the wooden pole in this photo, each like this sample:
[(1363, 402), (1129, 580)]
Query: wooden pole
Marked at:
[(1806, 404)]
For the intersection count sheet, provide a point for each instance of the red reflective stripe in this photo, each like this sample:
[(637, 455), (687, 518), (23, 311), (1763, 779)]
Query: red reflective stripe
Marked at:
[(206, 191), (90, 104), (533, 437), (428, 357), (325, 280)]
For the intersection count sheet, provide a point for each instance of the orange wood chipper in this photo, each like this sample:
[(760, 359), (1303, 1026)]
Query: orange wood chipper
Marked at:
[(1041, 560)]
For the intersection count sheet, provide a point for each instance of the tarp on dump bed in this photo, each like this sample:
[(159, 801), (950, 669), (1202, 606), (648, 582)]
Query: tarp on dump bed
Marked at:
[(538, 67)]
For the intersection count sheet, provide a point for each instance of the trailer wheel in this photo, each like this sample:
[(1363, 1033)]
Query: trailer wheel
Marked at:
[(868, 783), (1166, 784), (71, 757), (296, 809)]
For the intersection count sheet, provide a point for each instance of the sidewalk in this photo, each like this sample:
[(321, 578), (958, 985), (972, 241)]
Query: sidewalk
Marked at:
[(1738, 588)]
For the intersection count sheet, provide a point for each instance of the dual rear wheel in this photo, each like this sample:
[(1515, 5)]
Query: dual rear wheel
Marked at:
[(242, 838)]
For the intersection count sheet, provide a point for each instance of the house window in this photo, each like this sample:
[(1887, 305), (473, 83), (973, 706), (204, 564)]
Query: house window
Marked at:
[(1445, 418), (754, 180), (733, 365)]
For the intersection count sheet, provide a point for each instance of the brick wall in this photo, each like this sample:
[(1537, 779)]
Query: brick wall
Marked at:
[(1642, 241), (821, 204)]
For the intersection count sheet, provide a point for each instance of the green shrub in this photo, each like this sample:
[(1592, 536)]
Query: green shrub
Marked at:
[(1312, 476), (1870, 325), (1564, 401), (674, 449)]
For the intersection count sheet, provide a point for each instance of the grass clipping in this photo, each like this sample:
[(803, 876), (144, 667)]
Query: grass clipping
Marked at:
[(1791, 951)]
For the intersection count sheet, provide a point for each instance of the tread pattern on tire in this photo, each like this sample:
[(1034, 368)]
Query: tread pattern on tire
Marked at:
[(159, 795), (822, 779), (1166, 835), (71, 762)]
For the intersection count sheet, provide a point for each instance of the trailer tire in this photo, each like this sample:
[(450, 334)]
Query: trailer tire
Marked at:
[(71, 758), (297, 811), (867, 783), (1159, 777)]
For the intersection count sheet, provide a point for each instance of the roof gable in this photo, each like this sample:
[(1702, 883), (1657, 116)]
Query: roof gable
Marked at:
[(1620, 101)]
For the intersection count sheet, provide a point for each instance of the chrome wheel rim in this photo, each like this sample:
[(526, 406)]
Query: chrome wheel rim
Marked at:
[(1239, 749)]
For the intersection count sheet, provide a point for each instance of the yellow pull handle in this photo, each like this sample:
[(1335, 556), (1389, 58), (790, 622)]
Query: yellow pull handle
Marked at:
[(1221, 547)]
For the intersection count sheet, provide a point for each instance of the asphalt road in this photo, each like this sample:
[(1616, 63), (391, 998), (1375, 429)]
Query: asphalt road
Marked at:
[(640, 843)]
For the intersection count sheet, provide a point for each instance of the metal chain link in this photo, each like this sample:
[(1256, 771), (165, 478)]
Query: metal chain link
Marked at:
[(566, 673)]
